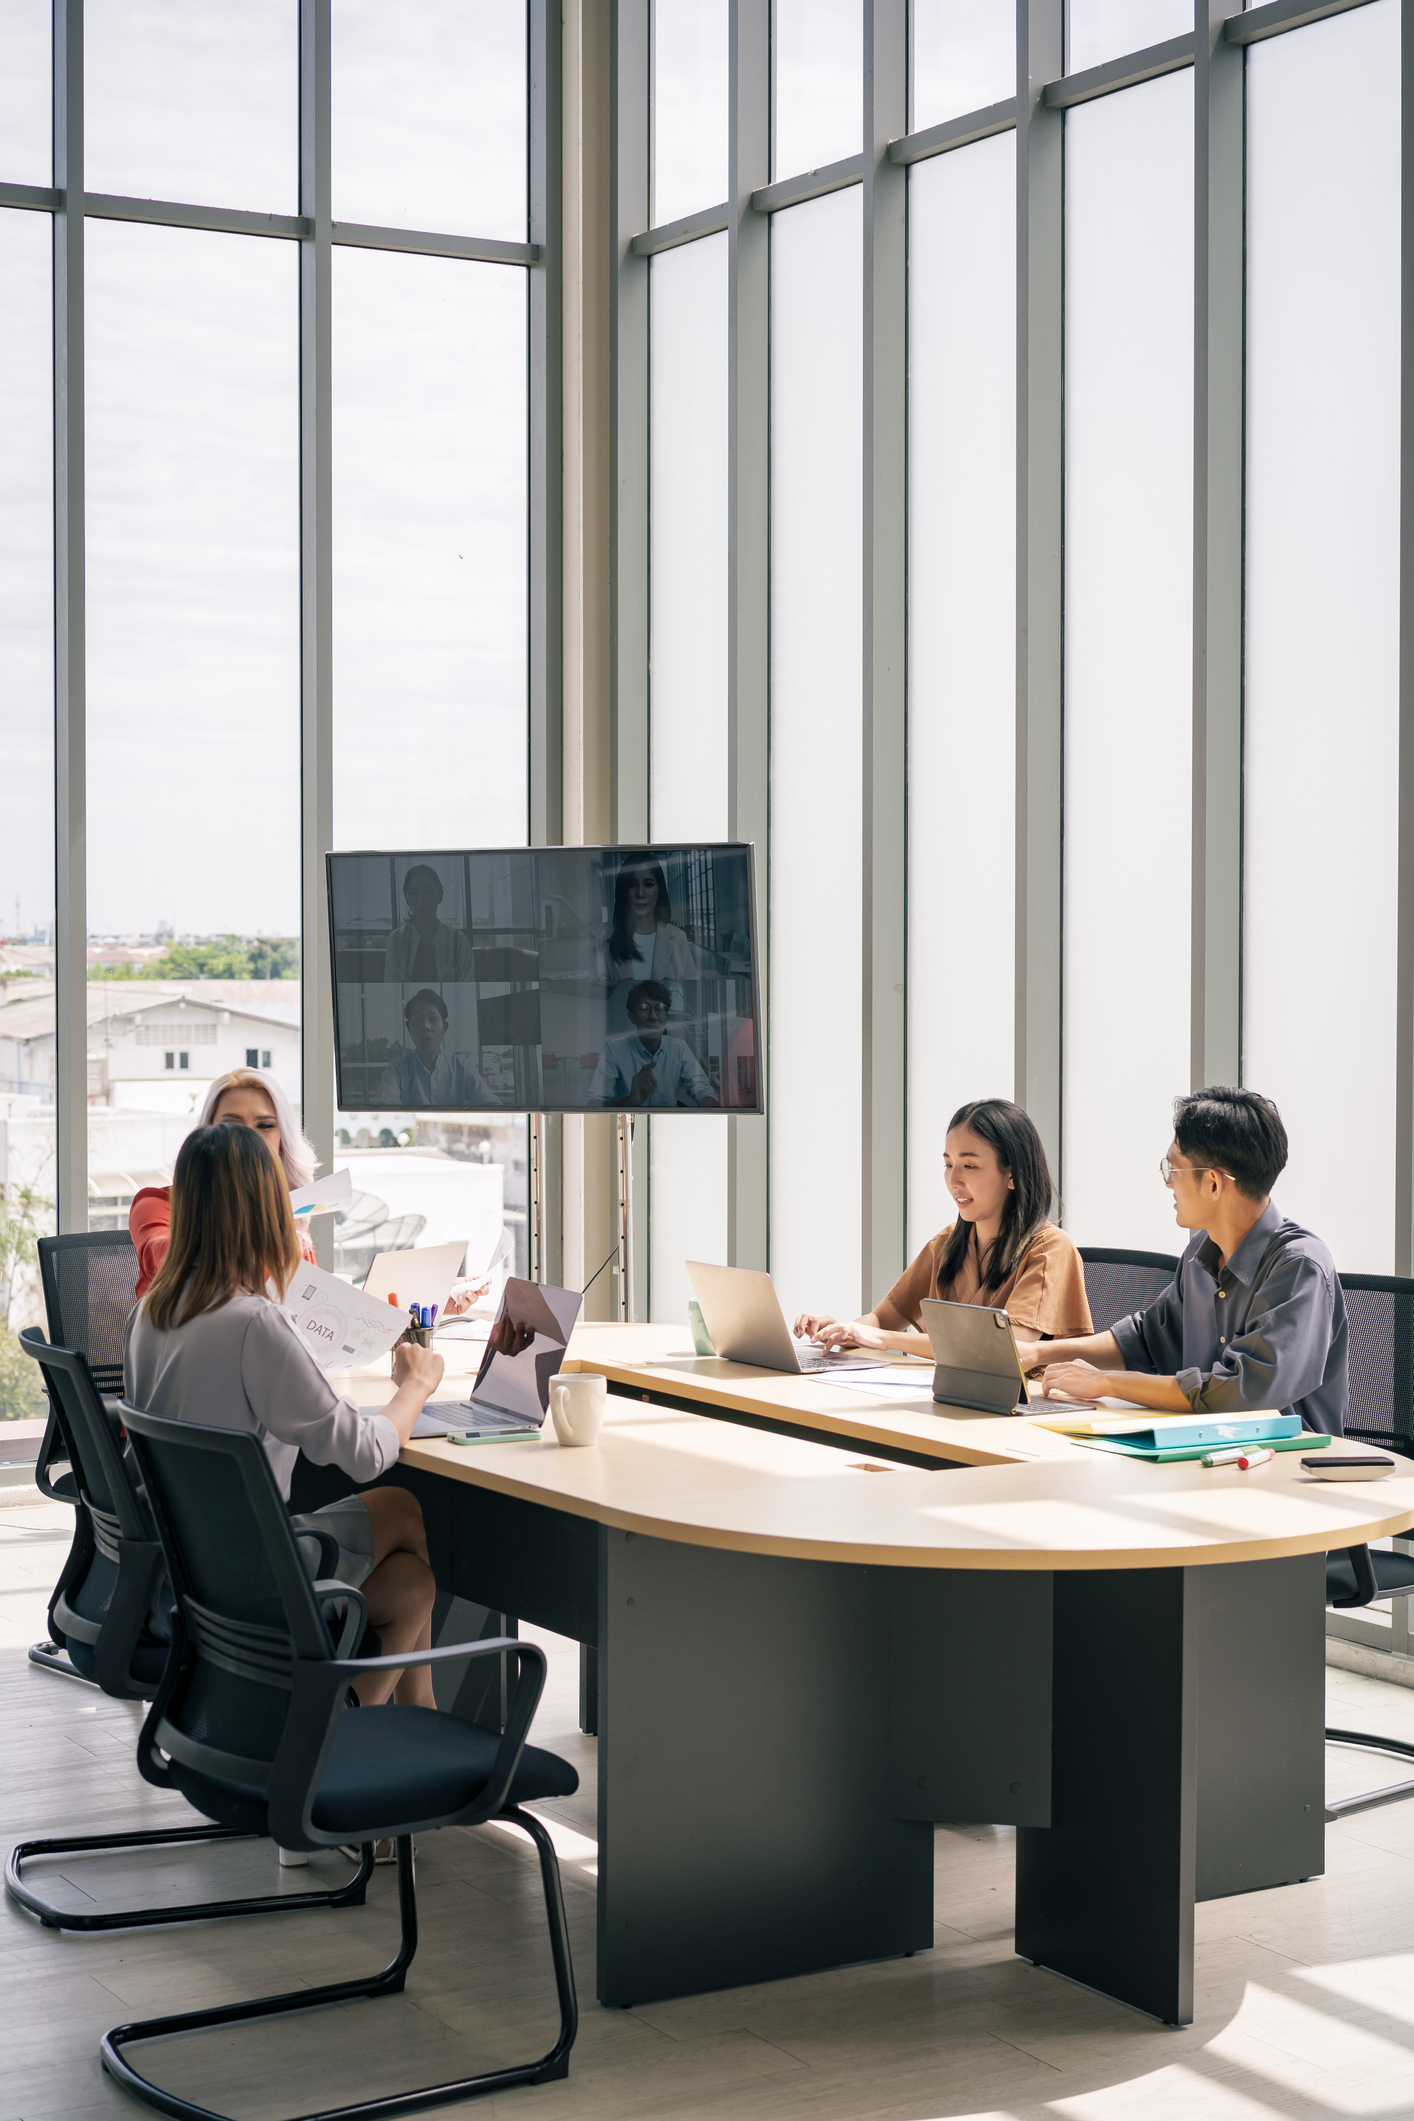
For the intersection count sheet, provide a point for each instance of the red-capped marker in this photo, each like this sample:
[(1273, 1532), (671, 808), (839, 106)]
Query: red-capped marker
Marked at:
[(1253, 1458)]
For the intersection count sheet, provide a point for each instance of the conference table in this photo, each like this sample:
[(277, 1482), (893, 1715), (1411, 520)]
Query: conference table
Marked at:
[(825, 1621)]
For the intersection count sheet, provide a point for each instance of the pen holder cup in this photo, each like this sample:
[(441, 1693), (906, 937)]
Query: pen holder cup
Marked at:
[(421, 1334)]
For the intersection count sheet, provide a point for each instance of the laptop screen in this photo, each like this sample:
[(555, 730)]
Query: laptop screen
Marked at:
[(526, 1348)]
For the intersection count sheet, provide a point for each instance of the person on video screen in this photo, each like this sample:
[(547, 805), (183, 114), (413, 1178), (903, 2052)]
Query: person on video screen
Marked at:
[(426, 948), (649, 1065), (644, 944), (427, 1075)]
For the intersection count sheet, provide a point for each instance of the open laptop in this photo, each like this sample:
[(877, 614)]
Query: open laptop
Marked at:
[(524, 1350), (422, 1275), (743, 1315)]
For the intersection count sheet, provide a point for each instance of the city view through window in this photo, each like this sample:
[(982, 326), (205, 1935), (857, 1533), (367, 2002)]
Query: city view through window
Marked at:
[(189, 347)]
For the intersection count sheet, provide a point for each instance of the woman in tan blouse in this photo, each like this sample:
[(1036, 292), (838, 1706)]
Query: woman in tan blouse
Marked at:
[(1002, 1251)]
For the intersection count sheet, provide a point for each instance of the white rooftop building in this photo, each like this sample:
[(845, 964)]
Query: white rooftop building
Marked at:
[(156, 1045)]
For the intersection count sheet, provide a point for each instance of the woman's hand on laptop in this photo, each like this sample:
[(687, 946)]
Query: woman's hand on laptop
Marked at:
[(811, 1324), (844, 1333), (417, 1372), (419, 1367)]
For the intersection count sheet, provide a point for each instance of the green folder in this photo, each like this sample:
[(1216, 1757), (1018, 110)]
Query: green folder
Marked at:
[(1163, 1454)]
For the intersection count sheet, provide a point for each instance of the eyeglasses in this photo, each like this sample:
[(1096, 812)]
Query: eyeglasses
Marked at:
[(1167, 1168)]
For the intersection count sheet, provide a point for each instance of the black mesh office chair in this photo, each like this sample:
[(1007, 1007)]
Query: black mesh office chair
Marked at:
[(103, 1613), (89, 1281), (1380, 1309), (1117, 1283), (251, 1723)]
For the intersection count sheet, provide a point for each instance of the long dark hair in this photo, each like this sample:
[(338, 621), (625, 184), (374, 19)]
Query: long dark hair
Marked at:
[(232, 1226), (1012, 1133), (623, 943)]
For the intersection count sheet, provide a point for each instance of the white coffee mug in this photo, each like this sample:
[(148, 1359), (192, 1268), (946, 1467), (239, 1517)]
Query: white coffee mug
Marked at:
[(577, 1403)]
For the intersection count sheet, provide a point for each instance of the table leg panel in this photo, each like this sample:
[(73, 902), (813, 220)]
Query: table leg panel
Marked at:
[(1261, 1724), (744, 1831), (1105, 1893), (970, 1695)]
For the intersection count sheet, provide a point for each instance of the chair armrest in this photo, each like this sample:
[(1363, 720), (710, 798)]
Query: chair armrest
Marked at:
[(329, 1591), (530, 1682), (52, 1449), (326, 1541), (488, 1646), (1367, 1587)]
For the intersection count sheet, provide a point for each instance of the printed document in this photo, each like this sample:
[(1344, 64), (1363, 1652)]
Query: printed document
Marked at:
[(342, 1328)]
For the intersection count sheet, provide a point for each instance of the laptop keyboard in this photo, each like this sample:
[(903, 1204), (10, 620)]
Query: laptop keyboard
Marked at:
[(444, 1414), (812, 1358)]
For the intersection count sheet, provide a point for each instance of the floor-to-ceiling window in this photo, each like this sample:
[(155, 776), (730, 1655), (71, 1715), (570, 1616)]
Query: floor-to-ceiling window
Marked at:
[(687, 695), (292, 551), (26, 793), (1128, 675), (816, 745), (1322, 664), (1142, 815), (961, 628)]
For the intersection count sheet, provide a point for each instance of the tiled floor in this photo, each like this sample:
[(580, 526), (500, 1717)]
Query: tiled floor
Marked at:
[(1305, 1997)]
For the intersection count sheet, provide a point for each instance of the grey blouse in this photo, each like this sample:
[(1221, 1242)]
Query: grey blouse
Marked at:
[(245, 1367)]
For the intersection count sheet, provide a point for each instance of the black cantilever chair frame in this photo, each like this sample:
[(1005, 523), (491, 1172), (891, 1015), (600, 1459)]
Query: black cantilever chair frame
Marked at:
[(101, 1610), (252, 1721), (1380, 1313), (88, 1278)]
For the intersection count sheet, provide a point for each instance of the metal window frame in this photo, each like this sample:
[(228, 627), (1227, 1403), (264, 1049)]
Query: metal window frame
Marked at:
[(317, 234), (1044, 93)]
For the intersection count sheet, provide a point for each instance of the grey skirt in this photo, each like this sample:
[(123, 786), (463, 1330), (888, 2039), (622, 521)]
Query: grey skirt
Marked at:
[(352, 1526)]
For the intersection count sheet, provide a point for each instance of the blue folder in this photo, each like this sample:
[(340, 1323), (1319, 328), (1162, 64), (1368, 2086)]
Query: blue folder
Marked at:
[(1204, 1433)]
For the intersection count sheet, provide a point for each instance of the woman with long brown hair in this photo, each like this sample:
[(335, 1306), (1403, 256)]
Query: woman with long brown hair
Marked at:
[(208, 1343)]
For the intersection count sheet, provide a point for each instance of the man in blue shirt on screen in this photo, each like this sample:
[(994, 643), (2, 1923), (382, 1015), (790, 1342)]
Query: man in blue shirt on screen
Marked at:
[(1254, 1318), (649, 1065)]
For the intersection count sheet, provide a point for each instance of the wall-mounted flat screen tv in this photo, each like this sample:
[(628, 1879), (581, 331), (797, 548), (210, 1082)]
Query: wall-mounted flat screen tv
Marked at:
[(546, 979)]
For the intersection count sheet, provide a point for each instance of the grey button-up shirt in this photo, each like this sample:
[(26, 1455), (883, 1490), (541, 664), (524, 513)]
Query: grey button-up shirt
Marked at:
[(1266, 1330)]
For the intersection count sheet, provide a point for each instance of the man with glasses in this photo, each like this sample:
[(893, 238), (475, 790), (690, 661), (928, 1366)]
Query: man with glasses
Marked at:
[(1254, 1318)]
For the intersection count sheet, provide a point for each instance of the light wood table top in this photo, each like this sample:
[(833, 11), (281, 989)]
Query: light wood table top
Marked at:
[(670, 1474), (661, 1359)]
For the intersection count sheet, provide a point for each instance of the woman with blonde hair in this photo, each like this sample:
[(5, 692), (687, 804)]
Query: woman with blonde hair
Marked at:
[(247, 1099), (208, 1344), (243, 1098)]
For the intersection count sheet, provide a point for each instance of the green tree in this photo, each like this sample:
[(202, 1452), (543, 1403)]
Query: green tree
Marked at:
[(222, 957), (23, 1213)]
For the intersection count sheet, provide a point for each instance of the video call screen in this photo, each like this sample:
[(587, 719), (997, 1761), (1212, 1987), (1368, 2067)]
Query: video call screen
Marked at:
[(546, 979)]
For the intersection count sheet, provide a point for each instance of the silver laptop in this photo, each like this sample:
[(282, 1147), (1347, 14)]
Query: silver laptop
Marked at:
[(525, 1348), (743, 1314)]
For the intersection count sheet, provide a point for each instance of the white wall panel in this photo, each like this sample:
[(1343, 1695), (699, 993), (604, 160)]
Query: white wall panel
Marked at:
[(961, 651), (688, 697), (1321, 723), (1128, 654), (816, 753)]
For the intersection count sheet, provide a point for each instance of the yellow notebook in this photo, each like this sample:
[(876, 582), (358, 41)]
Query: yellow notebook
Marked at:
[(1120, 1419)]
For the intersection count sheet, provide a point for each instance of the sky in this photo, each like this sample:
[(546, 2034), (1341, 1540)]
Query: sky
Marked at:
[(192, 457)]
